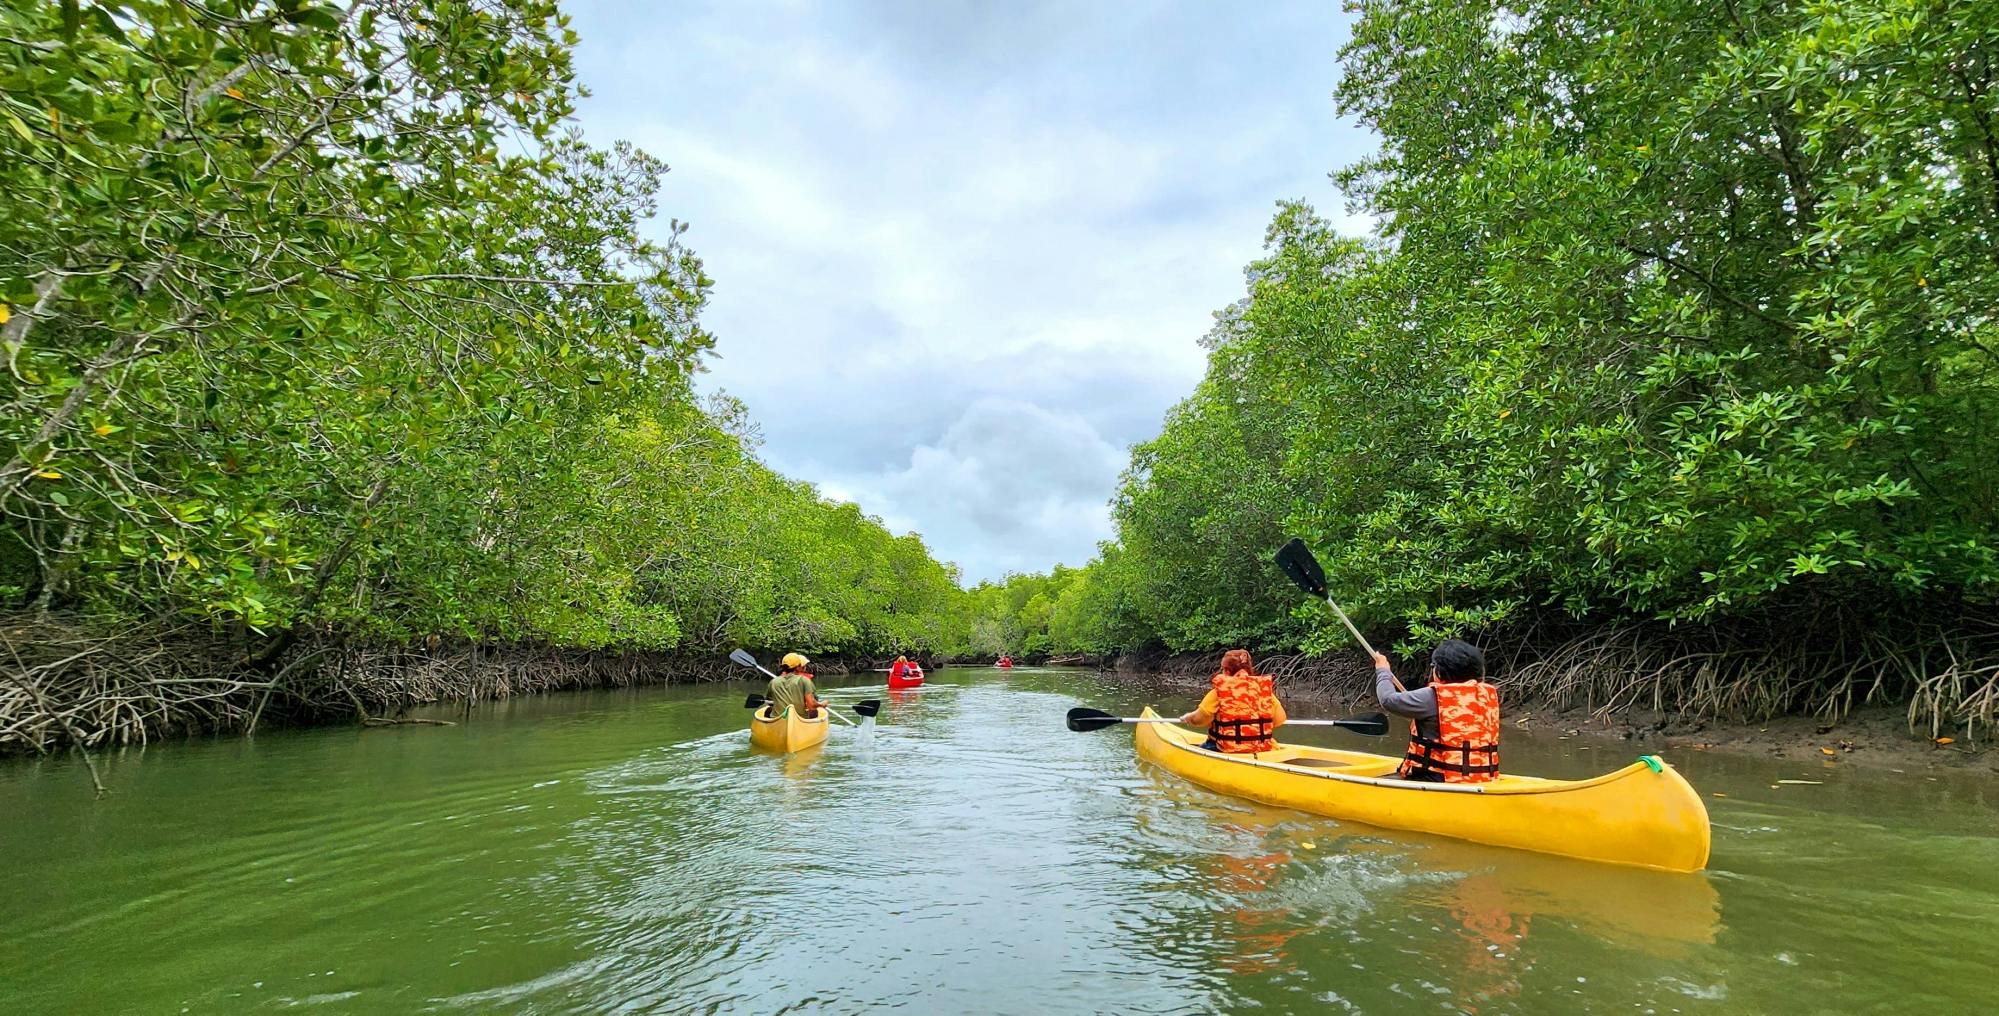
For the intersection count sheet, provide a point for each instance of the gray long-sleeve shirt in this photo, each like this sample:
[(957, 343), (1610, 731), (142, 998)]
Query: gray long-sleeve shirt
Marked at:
[(1419, 704)]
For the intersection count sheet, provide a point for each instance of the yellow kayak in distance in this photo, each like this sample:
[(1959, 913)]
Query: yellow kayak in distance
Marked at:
[(787, 733), (1645, 814)]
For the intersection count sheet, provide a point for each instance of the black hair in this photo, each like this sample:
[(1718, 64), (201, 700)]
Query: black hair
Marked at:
[(1457, 660)]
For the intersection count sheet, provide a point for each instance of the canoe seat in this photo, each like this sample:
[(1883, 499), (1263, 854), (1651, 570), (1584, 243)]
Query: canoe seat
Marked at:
[(1316, 763)]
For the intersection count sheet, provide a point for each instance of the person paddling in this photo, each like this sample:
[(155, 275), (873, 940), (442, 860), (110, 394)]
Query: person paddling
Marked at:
[(1453, 722), (1241, 710), (792, 688), (899, 669)]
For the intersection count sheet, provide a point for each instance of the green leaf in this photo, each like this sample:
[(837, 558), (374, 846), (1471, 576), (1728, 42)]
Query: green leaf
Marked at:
[(20, 128)]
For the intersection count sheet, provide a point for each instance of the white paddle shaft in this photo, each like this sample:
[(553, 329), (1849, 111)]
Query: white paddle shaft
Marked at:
[(1358, 637), (1287, 723)]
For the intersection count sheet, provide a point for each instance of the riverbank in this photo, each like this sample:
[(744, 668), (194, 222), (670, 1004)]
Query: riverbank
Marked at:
[(74, 681)]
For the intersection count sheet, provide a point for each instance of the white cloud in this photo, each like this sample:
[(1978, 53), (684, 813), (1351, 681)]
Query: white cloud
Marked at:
[(942, 231), (1030, 480)]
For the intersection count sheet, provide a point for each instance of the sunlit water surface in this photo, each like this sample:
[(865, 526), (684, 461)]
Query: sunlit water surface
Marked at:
[(627, 851)]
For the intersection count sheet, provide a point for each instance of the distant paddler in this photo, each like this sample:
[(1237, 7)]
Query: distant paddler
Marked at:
[(792, 688), (904, 674), (1005, 662)]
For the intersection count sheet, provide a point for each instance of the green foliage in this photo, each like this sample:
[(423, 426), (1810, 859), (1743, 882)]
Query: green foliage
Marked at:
[(1679, 311), (317, 317)]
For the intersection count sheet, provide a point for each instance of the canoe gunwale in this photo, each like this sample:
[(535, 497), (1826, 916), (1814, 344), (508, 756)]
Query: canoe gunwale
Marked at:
[(1638, 815), (1390, 783)]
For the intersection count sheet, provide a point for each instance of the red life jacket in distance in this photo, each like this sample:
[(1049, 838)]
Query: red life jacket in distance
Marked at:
[(1466, 749), (1245, 713)]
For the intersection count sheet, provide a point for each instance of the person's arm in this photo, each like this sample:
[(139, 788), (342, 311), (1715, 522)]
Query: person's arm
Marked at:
[(1416, 705), (1277, 716), (1203, 714)]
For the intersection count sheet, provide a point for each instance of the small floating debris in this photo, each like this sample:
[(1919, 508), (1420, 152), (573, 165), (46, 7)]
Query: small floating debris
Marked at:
[(1801, 783)]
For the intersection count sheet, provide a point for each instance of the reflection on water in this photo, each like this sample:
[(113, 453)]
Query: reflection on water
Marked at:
[(628, 851)]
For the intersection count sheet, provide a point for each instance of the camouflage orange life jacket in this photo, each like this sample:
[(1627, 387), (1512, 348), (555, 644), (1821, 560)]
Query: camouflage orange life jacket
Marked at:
[(1466, 749), (1245, 708)]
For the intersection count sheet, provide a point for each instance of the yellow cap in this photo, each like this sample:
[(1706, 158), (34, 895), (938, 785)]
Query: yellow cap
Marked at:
[(795, 660)]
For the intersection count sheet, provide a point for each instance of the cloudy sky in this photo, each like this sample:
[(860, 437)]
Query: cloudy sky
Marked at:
[(964, 252)]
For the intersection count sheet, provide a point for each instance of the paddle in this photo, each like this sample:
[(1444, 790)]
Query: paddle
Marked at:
[(865, 707), (744, 659), (1303, 568), (1082, 719)]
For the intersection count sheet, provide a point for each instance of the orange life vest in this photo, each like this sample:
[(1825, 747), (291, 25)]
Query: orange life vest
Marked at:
[(1245, 713), (1466, 749)]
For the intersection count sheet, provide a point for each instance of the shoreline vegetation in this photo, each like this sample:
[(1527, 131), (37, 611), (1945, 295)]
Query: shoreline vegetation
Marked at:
[(325, 329), (342, 374), (1669, 373)]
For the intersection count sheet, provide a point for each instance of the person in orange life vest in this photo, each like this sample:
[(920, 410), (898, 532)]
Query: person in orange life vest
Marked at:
[(1453, 722), (1241, 710)]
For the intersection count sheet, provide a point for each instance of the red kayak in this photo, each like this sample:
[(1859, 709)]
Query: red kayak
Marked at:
[(913, 679)]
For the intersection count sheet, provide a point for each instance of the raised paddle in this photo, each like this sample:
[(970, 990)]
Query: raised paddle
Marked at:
[(1082, 718), (743, 658), (1298, 562), (865, 707)]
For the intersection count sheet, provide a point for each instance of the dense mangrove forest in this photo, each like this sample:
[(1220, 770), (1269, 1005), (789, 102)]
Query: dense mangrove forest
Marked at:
[(1671, 372), (344, 374), (334, 354)]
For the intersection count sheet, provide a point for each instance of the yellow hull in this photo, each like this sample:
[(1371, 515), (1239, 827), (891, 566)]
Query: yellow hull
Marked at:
[(1632, 816), (788, 733)]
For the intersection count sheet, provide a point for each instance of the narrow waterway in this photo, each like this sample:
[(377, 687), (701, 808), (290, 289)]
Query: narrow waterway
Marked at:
[(626, 851)]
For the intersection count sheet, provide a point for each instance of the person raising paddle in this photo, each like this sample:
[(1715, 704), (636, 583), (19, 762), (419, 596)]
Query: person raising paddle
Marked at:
[(1453, 722), (1241, 710), (792, 688)]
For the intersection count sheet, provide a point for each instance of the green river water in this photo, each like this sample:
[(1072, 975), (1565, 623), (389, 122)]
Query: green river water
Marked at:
[(627, 852)]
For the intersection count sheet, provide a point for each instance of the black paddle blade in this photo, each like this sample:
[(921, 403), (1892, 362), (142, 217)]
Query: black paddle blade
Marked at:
[(1374, 723), (742, 658), (754, 702), (867, 707), (1302, 567), (1082, 718)]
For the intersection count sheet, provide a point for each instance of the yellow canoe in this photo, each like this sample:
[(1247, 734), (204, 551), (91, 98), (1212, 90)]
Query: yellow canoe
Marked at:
[(787, 733), (1639, 815)]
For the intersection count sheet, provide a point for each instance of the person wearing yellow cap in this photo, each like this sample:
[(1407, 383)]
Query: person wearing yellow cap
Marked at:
[(792, 688)]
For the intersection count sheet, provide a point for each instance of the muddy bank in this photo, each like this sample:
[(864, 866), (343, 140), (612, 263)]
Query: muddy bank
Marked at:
[(72, 681), (1872, 736)]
